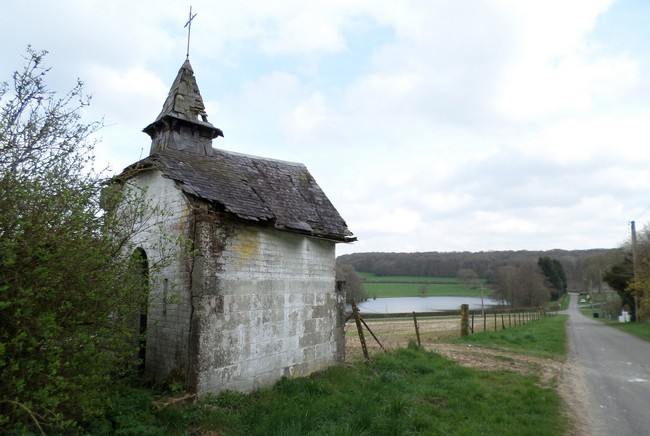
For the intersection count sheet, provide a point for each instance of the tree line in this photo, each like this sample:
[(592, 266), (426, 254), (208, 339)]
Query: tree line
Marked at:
[(523, 278), (517, 278), (583, 268), (629, 276)]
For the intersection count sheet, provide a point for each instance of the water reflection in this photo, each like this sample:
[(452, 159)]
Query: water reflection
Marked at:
[(422, 304)]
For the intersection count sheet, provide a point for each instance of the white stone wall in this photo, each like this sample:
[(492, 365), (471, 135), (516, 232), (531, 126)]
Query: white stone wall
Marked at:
[(267, 307), (161, 233)]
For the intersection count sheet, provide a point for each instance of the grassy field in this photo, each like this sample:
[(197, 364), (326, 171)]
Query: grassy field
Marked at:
[(542, 338), (408, 391), (603, 297), (411, 286), (370, 277)]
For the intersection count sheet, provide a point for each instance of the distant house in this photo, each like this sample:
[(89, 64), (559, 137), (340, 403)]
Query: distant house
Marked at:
[(254, 298)]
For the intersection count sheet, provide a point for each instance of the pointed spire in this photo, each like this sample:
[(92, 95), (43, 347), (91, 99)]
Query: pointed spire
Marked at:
[(183, 123)]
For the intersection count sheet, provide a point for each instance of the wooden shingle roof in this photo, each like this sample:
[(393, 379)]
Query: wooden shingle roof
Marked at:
[(272, 192)]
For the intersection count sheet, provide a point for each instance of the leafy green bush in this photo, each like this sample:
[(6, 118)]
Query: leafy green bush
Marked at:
[(67, 298)]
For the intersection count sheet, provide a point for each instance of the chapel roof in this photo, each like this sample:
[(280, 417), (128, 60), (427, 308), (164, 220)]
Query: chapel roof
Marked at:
[(267, 191)]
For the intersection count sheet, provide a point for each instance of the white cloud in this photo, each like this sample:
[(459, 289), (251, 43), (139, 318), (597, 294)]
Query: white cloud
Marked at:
[(129, 94), (569, 85), (432, 125), (311, 121), (389, 220)]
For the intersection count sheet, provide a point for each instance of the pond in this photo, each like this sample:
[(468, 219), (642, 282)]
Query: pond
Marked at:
[(422, 304)]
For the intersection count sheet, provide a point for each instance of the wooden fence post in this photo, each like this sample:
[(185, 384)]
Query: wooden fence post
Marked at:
[(355, 313), (417, 329), (464, 319), (373, 335)]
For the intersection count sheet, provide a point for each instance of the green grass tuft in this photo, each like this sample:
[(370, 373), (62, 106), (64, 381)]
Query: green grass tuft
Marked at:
[(409, 391), (638, 329)]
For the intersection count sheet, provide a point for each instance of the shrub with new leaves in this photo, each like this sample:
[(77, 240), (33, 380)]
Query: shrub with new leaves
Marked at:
[(66, 295)]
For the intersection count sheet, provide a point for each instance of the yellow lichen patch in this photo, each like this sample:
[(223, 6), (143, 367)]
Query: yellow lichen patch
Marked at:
[(246, 245), (183, 217)]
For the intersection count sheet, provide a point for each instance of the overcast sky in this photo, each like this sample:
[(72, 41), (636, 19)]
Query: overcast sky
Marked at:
[(431, 125)]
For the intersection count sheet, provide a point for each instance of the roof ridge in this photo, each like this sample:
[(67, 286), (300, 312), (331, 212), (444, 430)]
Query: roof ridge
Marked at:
[(255, 157)]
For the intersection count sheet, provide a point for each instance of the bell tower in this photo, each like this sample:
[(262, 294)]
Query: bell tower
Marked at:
[(183, 123)]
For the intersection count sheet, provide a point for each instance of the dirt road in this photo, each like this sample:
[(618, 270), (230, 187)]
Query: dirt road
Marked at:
[(607, 378)]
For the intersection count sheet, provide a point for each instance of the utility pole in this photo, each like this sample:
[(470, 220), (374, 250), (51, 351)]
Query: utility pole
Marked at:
[(634, 270)]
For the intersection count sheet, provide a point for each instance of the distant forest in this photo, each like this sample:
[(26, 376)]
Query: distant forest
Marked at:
[(584, 268)]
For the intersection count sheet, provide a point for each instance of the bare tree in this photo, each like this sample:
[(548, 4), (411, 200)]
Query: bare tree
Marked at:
[(468, 277), (521, 286), (353, 282)]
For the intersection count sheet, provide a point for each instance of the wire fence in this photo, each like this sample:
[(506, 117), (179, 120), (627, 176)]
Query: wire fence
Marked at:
[(368, 333)]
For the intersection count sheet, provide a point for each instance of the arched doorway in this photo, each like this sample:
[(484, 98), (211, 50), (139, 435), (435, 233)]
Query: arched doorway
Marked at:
[(140, 265)]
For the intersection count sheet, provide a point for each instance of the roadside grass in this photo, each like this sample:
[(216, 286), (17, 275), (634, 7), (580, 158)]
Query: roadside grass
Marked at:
[(639, 329), (564, 303), (409, 391), (561, 304), (411, 286), (545, 337)]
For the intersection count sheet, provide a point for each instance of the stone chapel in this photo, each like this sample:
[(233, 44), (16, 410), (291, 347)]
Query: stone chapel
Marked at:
[(254, 298)]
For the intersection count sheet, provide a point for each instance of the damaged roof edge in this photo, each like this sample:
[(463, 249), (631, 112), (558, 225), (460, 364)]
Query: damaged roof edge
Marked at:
[(275, 193)]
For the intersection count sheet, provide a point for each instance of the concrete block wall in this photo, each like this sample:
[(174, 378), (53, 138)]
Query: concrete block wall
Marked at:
[(255, 304), (267, 306)]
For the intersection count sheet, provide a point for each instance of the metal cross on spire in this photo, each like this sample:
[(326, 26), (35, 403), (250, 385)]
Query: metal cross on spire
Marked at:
[(189, 30)]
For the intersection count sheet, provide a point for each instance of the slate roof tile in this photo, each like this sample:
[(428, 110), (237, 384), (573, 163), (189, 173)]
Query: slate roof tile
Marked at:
[(279, 193)]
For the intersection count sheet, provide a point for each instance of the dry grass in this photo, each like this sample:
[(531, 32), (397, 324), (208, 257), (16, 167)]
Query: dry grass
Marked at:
[(395, 334)]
